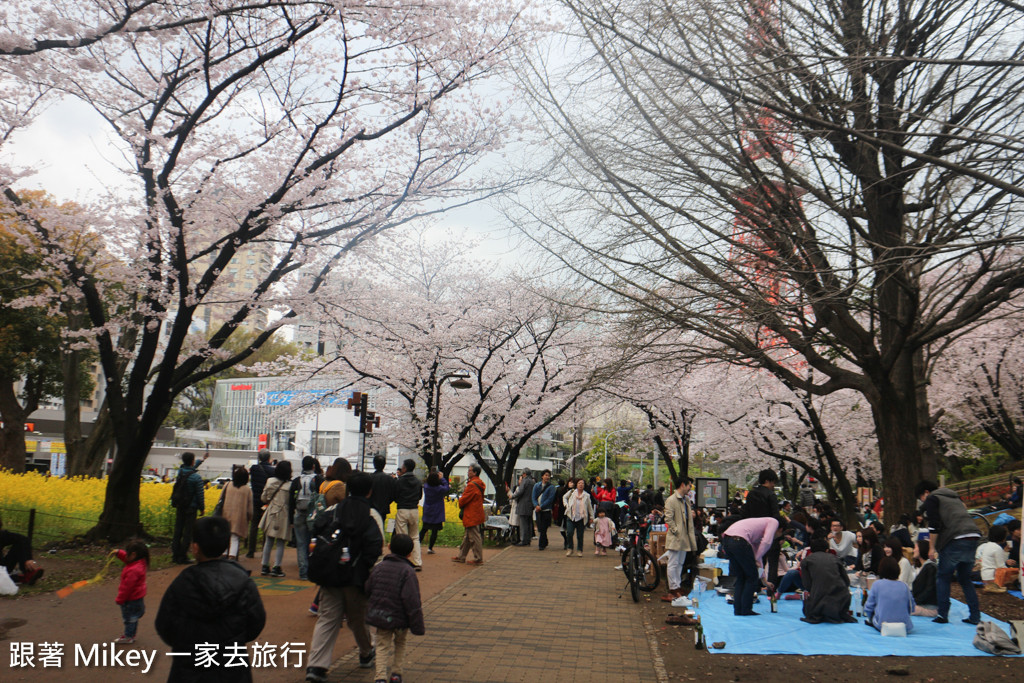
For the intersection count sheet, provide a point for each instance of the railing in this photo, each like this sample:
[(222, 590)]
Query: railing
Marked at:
[(42, 527), (984, 489)]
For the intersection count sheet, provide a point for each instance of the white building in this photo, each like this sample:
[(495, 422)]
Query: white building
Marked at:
[(311, 419)]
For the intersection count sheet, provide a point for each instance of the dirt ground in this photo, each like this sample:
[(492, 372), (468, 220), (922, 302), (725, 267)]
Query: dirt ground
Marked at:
[(89, 616)]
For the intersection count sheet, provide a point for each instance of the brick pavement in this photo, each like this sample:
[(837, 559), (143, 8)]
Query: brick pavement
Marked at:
[(533, 616)]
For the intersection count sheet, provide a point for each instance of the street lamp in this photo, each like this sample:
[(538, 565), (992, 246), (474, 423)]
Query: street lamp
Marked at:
[(617, 431), (458, 380)]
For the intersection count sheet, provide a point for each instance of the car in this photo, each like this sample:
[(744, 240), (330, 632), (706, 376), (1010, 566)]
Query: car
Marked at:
[(150, 478), (221, 482)]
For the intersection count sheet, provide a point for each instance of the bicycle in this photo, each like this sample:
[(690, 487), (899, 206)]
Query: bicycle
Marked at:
[(639, 565)]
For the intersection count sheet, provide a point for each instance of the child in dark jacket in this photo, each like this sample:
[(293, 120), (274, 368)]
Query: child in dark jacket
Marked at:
[(394, 607), (132, 590)]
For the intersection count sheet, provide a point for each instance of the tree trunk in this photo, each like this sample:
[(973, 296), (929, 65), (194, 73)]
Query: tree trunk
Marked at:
[(901, 445), (120, 517), (74, 443), (12, 435)]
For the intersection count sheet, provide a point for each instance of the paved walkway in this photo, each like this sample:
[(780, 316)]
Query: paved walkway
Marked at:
[(534, 616)]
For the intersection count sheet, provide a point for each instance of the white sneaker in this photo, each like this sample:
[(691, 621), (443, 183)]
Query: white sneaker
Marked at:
[(682, 601), (568, 553), (125, 640), (618, 568)]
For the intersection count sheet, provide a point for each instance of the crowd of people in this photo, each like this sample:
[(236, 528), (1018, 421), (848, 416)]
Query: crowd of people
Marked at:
[(796, 549)]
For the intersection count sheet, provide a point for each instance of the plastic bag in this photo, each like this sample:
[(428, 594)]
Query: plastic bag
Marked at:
[(992, 639), (7, 585)]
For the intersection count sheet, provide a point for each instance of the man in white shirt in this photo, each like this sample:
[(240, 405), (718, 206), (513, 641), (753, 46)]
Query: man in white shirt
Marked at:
[(842, 542)]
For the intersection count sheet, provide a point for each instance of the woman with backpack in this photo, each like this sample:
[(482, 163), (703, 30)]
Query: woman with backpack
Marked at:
[(276, 522)]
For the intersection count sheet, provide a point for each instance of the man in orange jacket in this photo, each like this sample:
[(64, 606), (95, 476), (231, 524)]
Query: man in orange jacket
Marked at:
[(472, 504)]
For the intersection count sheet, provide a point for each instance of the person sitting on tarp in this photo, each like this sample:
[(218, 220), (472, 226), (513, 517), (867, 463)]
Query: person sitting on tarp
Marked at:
[(889, 600), (18, 560), (827, 586), (923, 586)]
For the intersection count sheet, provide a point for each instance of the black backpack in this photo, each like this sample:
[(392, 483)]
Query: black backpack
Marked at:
[(337, 554), (180, 497)]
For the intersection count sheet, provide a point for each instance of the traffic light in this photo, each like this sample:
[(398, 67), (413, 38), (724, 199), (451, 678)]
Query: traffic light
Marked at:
[(370, 421), (357, 403)]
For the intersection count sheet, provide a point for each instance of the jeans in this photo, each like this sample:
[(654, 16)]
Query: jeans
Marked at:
[(543, 522), (742, 566), (577, 528), (302, 530), (184, 518), (957, 557), (131, 612), (791, 581), (268, 543)]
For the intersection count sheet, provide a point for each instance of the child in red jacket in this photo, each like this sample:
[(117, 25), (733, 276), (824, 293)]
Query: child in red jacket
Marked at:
[(132, 590)]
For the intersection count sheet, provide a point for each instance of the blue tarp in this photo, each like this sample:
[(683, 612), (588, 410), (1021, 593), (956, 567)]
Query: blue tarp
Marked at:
[(784, 633)]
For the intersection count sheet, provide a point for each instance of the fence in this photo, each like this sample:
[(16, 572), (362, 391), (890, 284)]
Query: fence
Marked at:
[(983, 490), (43, 528)]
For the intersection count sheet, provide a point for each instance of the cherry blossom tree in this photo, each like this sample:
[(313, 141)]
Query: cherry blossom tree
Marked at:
[(978, 381), (786, 180), (286, 133), (756, 419), (427, 320)]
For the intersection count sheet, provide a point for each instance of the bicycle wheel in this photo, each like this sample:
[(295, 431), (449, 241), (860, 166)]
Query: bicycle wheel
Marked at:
[(649, 575), (634, 569)]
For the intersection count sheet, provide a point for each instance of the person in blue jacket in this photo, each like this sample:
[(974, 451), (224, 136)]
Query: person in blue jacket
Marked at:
[(543, 497)]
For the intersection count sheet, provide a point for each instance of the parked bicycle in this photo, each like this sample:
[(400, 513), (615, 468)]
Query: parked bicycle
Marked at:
[(639, 565)]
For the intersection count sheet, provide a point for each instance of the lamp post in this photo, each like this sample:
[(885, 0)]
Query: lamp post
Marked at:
[(458, 380), (606, 436)]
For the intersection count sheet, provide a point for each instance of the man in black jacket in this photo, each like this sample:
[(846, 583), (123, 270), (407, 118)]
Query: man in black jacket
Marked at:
[(407, 517), (385, 487), (213, 603), (185, 514), (258, 476), (762, 502)]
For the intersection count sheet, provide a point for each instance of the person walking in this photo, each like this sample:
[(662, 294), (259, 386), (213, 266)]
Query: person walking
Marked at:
[(955, 538), (522, 495), (543, 498), (258, 476), (434, 492), (131, 592), (471, 502), (394, 607), (192, 504), (237, 508), (214, 604), (276, 521), (362, 527), (579, 510), (407, 517), (681, 538)]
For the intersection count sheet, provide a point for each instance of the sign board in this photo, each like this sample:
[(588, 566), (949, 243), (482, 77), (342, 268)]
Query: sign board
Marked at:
[(712, 492), (865, 495), (301, 397), (59, 464)]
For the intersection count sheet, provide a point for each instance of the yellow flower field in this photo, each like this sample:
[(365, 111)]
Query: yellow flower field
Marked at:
[(66, 506)]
